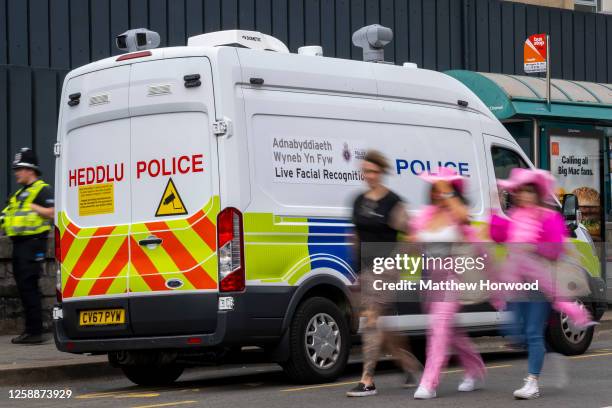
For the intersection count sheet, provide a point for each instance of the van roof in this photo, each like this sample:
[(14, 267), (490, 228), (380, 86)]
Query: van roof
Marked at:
[(326, 74)]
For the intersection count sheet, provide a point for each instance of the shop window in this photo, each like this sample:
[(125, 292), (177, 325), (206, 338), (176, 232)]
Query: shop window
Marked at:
[(522, 132)]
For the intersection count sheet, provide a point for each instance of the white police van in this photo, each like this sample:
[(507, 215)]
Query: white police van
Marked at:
[(204, 192)]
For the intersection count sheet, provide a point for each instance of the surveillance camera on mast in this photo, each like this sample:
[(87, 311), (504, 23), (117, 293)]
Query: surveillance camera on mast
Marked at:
[(372, 39), (137, 40)]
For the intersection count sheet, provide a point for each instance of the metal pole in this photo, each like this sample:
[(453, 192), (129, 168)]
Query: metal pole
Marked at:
[(536, 143), (548, 72)]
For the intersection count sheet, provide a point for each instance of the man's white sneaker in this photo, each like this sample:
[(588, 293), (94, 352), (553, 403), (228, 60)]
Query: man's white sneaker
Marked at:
[(470, 384), (530, 390), (424, 393)]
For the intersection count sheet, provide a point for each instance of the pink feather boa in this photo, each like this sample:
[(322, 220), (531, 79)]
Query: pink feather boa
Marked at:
[(534, 225)]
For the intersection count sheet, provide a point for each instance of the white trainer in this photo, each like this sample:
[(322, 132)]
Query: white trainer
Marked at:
[(470, 384), (423, 393), (530, 390)]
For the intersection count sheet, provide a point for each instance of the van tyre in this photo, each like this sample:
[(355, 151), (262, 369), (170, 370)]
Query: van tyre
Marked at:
[(318, 342), (152, 375), (566, 339)]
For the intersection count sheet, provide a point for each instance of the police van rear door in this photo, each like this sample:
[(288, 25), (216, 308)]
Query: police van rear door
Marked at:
[(174, 197), (93, 195)]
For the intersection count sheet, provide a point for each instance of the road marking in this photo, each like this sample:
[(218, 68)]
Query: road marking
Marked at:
[(98, 394), (167, 404), (118, 394), (137, 395), (312, 387), (499, 366), (590, 355), (141, 394)]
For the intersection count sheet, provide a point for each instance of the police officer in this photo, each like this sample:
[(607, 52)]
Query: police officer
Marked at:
[(27, 220)]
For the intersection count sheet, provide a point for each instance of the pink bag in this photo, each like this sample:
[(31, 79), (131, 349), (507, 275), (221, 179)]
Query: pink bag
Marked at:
[(552, 235), (498, 228)]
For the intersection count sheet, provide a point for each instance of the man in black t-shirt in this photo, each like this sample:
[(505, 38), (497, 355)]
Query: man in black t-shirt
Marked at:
[(27, 220)]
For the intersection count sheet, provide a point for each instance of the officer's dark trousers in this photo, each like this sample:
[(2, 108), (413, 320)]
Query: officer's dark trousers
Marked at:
[(27, 268)]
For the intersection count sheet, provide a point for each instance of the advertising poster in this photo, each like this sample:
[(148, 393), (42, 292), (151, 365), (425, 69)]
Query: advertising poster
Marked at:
[(575, 162)]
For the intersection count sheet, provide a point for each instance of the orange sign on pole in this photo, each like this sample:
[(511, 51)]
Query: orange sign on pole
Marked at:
[(534, 53)]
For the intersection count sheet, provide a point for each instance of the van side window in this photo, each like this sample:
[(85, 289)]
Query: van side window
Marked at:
[(505, 160)]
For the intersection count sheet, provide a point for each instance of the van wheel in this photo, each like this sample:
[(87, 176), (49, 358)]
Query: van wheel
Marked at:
[(318, 342), (565, 338), (152, 375)]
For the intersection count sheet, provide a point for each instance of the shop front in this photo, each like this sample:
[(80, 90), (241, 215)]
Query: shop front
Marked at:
[(571, 136)]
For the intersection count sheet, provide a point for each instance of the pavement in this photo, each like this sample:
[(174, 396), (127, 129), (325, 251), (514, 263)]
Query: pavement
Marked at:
[(44, 363)]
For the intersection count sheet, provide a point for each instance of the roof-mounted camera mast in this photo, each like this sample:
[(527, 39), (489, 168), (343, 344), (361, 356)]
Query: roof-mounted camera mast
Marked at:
[(372, 39), (137, 40)]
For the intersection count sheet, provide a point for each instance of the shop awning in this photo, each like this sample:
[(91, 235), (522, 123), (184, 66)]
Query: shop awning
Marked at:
[(510, 96)]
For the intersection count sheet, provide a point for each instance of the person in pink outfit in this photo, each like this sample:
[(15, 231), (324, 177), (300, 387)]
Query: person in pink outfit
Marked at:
[(537, 235), (443, 222)]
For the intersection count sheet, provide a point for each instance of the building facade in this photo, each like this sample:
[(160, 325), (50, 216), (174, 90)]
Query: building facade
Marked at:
[(41, 40), (594, 6), (565, 4)]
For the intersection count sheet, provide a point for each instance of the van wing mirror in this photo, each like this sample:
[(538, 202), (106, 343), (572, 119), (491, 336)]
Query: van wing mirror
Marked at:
[(570, 207)]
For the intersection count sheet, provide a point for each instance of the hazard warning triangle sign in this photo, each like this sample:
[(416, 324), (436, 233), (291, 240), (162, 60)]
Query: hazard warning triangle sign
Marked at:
[(171, 202)]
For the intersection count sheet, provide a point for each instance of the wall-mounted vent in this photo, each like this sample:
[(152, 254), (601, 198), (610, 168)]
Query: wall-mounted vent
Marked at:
[(159, 90)]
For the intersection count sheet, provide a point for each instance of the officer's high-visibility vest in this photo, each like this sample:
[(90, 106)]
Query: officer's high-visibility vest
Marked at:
[(19, 218)]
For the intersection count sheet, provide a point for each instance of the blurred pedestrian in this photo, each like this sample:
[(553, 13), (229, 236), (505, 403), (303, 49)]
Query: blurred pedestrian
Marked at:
[(379, 216), (537, 235), (441, 226), (27, 221)]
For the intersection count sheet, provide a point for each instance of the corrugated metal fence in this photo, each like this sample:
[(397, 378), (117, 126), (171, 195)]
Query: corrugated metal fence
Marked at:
[(41, 40)]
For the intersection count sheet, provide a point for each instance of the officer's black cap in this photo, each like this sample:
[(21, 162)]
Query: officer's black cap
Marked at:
[(26, 158)]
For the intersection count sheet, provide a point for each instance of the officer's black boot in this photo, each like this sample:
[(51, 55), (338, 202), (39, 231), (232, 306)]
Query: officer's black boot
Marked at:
[(27, 338)]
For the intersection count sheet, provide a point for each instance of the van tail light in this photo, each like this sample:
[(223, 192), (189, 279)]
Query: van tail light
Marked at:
[(58, 265), (230, 251)]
